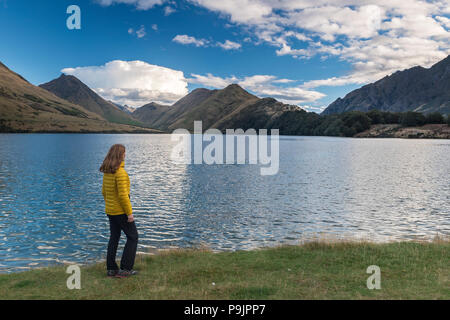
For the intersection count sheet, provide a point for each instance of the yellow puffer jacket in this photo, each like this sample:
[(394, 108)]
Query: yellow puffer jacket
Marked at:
[(116, 192)]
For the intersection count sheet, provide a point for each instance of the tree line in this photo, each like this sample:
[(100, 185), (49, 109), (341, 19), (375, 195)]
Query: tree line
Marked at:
[(348, 124)]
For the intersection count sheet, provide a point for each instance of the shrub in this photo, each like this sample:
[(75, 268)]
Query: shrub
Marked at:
[(391, 117), (376, 116), (412, 119), (435, 118), (356, 120)]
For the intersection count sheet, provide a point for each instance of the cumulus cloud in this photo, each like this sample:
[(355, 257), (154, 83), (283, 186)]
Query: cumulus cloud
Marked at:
[(134, 83), (262, 86)]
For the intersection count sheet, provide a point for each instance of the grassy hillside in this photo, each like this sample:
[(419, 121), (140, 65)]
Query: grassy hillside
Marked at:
[(73, 90), (228, 108), (152, 114), (258, 115), (316, 270), (162, 117), (220, 104)]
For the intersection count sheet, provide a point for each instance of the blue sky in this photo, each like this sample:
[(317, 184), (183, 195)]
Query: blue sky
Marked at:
[(301, 52)]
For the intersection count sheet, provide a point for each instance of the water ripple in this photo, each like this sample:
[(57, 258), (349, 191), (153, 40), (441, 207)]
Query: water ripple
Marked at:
[(51, 207)]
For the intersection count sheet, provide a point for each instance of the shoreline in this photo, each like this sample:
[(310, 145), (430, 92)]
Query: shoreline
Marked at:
[(428, 131), (322, 239), (281, 135), (312, 270), (379, 131)]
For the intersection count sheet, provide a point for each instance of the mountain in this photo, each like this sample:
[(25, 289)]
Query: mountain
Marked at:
[(228, 108), (151, 114), (28, 108), (160, 116), (416, 89), (124, 108), (257, 114), (72, 89), (219, 104)]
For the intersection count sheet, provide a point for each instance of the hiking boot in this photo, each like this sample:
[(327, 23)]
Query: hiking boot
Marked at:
[(112, 273), (126, 273)]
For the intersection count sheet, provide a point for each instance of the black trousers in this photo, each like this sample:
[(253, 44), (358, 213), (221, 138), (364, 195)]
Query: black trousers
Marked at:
[(117, 224)]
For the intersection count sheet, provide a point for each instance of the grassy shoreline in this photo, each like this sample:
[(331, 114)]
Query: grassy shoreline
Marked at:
[(316, 270)]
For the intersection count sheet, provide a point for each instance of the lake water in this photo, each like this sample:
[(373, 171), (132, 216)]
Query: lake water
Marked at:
[(51, 206)]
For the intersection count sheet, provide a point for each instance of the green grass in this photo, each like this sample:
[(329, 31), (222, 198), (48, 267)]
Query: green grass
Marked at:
[(409, 270)]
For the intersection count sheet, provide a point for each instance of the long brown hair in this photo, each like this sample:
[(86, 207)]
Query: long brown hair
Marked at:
[(113, 159)]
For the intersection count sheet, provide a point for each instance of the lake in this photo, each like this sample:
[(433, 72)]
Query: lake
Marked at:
[(52, 209)]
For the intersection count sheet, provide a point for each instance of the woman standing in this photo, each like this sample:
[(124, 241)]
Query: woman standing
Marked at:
[(116, 192)]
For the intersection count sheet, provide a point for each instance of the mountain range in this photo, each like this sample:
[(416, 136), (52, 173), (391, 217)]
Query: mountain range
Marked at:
[(415, 89), (231, 107), (66, 104)]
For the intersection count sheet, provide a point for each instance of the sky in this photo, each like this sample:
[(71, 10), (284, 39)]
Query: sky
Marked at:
[(301, 52)]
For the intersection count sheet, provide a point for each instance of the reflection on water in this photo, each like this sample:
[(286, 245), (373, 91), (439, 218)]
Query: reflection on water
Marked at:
[(51, 207)]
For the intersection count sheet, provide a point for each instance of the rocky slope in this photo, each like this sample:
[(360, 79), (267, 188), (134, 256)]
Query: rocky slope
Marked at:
[(416, 89)]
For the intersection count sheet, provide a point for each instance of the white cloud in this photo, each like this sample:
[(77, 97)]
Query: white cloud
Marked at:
[(134, 83), (444, 21), (212, 81), (283, 81), (240, 11), (314, 108), (229, 45), (168, 10), (185, 39), (381, 56), (265, 86), (140, 4), (140, 33), (155, 27)]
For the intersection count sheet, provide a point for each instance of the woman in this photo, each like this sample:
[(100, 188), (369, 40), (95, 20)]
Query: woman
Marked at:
[(116, 192)]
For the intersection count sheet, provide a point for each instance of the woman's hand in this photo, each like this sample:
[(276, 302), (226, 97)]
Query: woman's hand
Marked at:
[(130, 218)]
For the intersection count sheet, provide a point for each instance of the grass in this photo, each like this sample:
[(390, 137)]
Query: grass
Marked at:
[(316, 270)]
